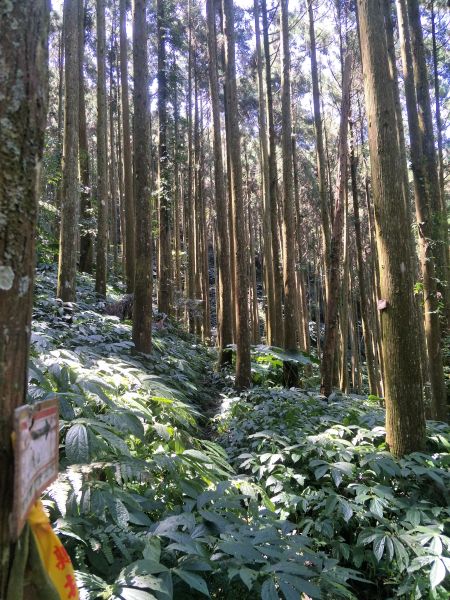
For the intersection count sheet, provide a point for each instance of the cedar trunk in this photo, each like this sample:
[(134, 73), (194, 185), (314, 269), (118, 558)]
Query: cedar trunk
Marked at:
[(329, 345), (142, 308), (102, 157), (240, 243), (164, 204), (224, 316), (130, 221), (23, 110), (405, 421), (70, 209)]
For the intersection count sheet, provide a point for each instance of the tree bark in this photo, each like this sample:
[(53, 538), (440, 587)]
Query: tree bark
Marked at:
[(329, 346), (425, 226), (224, 315), (70, 210), (363, 293), (321, 162), (269, 276), (438, 210), (288, 213), (102, 157), (164, 204), (277, 329), (142, 307), (127, 157), (86, 241), (243, 378), (405, 422), (23, 111)]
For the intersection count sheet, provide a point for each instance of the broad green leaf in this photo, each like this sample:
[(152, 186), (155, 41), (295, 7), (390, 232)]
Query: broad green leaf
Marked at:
[(77, 447), (378, 547), (437, 573), (194, 581), (269, 591)]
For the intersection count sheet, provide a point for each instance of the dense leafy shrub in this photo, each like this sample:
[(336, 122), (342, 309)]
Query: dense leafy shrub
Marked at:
[(294, 498), (146, 507), (326, 469)]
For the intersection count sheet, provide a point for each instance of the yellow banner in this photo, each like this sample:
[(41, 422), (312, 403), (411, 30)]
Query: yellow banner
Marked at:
[(54, 556)]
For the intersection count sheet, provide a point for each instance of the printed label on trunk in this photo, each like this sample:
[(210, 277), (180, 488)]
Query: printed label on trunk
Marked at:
[(36, 456)]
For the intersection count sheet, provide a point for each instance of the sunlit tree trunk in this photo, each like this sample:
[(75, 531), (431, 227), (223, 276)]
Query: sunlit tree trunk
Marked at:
[(405, 422), (70, 209), (164, 204), (127, 156), (438, 210), (102, 157), (190, 221), (288, 213), (321, 161), (329, 346), (224, 314), (277, 328), (363, 292), (86, 241), (142, 307), (113, 170), (266, 218), (243, 379), (23, 111), (425, 226), (343, 308)]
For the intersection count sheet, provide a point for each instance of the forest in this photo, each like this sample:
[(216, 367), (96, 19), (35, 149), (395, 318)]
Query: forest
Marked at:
[(224, 299)]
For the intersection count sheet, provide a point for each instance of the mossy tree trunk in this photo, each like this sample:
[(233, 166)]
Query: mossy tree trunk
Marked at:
[(23, 111)]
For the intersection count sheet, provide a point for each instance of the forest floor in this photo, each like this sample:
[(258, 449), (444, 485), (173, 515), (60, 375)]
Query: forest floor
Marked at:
[(174, 486)]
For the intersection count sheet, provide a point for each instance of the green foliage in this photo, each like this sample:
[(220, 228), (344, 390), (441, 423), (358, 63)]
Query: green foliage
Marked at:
[(295, 496), (325, 468), (145, 506)]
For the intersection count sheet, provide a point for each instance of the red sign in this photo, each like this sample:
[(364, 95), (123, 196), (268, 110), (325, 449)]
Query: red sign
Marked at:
[(36, 455)]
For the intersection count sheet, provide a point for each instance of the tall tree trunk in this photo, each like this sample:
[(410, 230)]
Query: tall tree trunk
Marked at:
[(243, 378), (142, 307), (23, 111), (344, 302), (130, 221), (438, 210), (70, 210), (190, 221), (321, 162), (224, 315), (437, 102), (102, 157), (425, 226), (86, 241), (60, 119), (164, 204), (405, 422), (363, 293), (113, 171), (290, 288), (264, 152), (177, 199), (277, 334), (329, 346)]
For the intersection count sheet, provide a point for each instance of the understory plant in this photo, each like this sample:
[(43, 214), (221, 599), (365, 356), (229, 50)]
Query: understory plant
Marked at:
[(285, 497)]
